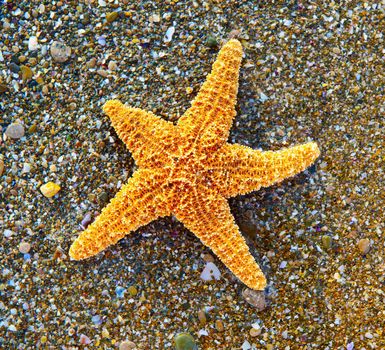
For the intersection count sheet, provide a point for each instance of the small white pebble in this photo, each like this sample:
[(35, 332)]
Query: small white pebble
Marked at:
[(26, 168), (169, 33), (84, 340), (246, 345), (32, 43), (8, 233), (210, 272), (24, 247)]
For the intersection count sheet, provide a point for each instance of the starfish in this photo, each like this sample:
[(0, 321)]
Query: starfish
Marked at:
[(189, 170)]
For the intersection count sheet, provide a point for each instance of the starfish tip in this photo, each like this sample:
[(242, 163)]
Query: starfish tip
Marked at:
[(111, 107), (314, 149), (234, 44)]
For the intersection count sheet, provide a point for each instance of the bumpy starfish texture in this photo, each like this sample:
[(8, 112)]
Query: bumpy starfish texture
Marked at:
[(189, 170)]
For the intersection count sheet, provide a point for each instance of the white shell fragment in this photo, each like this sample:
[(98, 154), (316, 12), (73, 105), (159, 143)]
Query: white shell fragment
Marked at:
[(32, 43), (210, 272), (169, 33)]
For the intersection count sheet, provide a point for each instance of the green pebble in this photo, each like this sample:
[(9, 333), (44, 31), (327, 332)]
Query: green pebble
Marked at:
[(212, 42), (327, 241), (103, 197), (185, 341)]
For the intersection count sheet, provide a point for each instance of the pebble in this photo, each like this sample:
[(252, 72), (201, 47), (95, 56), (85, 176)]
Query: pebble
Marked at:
[(169, 33), (45, 89), (103, 196), (32, 43), (127, 345), (154, 18), (350, 346), (86, 220), (102, 73), (210, 272), (326, 241), (49, 189), (246, 345), (8, 233), (102, 41), (112, 65), (120, 291), (26, 73), (14, 68), (84, 340), (91, 63), (132, 290), (15, 131), (97, 320), (185, 341), (208, 257), (211, 42), (254, 332), (1, 167), (202, 317), (72, 106), (112, 16), (24, 247), (43, 339), (105, 333), (3, 88), (219, 326), (60, 52), (364, 246), (26, 168), (255, 298)]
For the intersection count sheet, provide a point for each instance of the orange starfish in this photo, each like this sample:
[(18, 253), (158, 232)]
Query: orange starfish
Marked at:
[(189, 170)]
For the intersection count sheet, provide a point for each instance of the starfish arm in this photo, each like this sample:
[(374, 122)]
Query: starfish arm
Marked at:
[(209, 118), (140, 201), (208, 216), (145, 135), (239, 169)]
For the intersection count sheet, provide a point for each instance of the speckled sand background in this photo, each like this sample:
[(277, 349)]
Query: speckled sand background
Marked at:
[(311, 71)]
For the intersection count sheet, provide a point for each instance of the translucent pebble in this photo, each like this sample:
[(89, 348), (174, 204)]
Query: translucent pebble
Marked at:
[(120, 292), (8, 233), (102, 40), (97, 320), (169, 33)]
